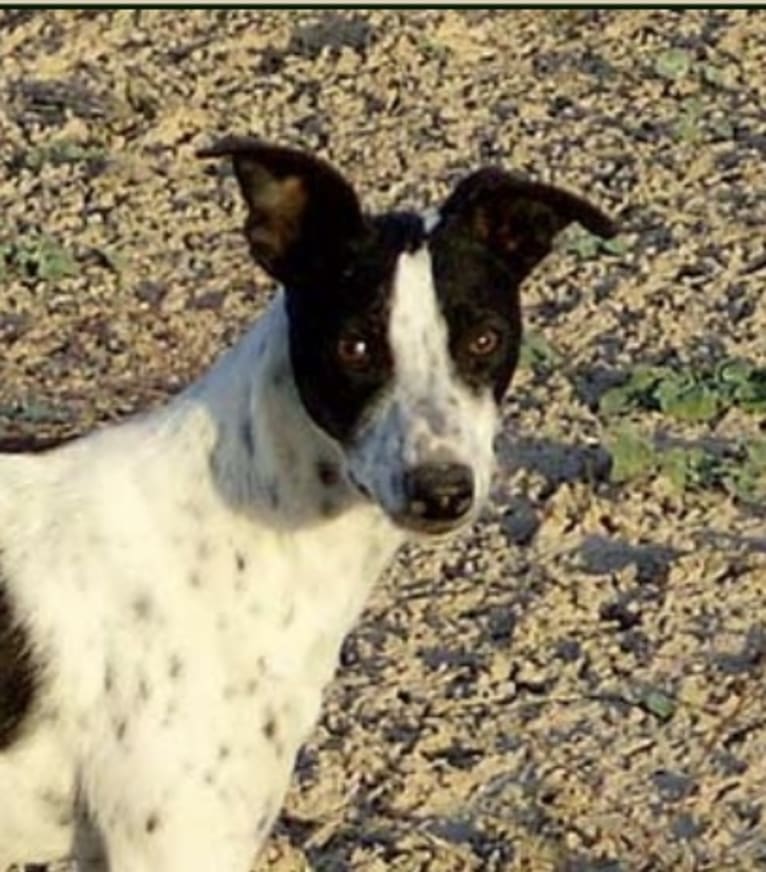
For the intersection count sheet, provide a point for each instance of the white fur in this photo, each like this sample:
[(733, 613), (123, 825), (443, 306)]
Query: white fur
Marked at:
[(101, 541), (188, 580)]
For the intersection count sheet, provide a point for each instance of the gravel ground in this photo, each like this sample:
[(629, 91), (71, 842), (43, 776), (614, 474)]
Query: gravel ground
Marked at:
[(577, 684)]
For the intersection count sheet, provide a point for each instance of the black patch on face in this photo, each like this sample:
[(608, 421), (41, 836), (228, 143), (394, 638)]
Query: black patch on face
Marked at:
[(351, 300), (476, 291), (18, 673), (152, 822), (494, 229)]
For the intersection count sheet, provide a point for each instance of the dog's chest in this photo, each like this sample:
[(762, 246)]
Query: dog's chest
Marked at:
[(246, 626)]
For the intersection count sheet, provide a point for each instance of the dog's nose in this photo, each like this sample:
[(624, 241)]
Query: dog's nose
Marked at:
[(439, 491)]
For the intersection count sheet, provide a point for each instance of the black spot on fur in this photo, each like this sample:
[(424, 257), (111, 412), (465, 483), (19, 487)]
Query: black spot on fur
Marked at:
[(280, 379), (175, 668), (327, 473), (224, 752), (108, 678), (60, 806), (248, 437), (142, 607), (272, 492), (203, 549), (240, 561), (195, 580), (18, 673), (270, 728), (170, 714), (263, 824), (328, 508), (144, 689), (120, 729), (152, 822)]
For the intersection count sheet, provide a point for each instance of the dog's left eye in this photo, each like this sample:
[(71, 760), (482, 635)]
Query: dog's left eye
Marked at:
[(354, 351), (482, 342)]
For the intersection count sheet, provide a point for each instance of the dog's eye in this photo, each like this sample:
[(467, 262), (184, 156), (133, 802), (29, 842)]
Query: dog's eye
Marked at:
[(483, 342), (354, 351)]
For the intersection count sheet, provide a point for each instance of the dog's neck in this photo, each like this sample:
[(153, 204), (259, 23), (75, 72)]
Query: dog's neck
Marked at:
[(269, 458)]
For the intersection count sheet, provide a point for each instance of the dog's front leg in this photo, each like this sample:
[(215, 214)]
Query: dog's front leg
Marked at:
[(200, 827)]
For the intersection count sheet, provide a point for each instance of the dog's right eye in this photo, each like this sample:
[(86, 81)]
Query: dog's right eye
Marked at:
[(354, 351)]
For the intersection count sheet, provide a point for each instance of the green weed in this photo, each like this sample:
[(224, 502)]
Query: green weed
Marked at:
[(587, 245), (36, 256), (33, 412), (673, 64), (740, 471), (688, 394), (538, 353), (61, 152)]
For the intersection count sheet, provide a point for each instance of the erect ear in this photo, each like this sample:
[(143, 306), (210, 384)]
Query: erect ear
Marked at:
[(516, 218), (302, 213)]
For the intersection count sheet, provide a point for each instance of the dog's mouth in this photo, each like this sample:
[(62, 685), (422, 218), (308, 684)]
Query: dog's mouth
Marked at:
[(434, 527)]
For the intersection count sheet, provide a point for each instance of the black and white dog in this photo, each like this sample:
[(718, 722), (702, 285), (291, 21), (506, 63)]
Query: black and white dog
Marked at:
[(174, 591)]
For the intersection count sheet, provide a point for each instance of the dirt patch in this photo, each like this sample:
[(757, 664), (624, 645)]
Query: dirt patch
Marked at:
[(578, 683)]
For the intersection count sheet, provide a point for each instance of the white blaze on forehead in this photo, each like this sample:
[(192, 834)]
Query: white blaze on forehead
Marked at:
[(417, 330), (431, 218), (429, 415)]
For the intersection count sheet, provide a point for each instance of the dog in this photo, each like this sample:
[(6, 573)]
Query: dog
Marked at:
[(175, 589)]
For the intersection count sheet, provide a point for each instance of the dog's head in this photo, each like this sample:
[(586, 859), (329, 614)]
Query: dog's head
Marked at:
[(404, 331)]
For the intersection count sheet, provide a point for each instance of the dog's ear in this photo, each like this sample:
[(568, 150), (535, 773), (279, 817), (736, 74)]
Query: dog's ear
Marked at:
[(302, 213), (516, 218)]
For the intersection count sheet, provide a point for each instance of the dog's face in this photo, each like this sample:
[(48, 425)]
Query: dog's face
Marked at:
[(404, 332)]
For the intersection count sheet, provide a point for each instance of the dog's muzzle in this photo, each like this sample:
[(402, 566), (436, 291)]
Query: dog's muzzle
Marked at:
[(438, 497)]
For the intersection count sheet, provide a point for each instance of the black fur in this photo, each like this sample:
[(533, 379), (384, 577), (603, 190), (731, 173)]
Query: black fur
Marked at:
[(494, 229), (18, 673), (355, 301)]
